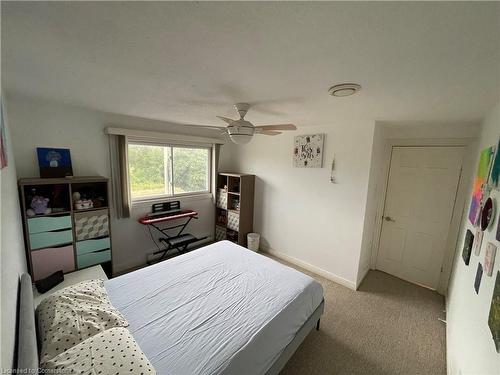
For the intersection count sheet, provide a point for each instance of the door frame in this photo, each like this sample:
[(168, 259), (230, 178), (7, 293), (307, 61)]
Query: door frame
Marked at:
[(464, 183)]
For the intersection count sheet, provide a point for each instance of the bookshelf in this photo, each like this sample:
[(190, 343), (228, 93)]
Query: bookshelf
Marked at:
[(234, 208)]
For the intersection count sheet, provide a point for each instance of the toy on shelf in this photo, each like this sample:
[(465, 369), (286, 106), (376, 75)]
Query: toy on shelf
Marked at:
[(81, 203), (39, 206)]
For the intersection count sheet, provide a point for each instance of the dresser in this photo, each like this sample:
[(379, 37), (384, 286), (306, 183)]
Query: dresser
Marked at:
[(64, 237)]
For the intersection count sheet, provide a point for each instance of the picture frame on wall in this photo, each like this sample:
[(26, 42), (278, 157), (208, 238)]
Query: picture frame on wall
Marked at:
[(3, 139), (495, 169), (480, 184), (54, 162), (308, 151), (494, 315), (489, 258), (479, 276), (467, 249), (478, 241)]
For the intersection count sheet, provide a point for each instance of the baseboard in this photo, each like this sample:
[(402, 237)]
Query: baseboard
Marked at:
[(321, 272)]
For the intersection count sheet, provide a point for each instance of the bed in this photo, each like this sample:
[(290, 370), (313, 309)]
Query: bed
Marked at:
[(221, 309)]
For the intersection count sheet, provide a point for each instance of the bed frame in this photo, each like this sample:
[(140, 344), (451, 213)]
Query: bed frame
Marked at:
[(27, 350)]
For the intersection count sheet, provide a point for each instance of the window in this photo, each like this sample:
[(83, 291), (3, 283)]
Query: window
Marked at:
[(161, 170)]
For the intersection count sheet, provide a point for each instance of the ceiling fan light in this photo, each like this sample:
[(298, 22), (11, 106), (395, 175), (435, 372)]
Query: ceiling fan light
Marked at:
[(240, 139), (240, 134)]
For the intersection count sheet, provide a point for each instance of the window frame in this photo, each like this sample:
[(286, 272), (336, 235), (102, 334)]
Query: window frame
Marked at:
[(172, 145)]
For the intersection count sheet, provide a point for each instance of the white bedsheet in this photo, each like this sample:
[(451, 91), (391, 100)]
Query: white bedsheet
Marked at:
[(221, 309)]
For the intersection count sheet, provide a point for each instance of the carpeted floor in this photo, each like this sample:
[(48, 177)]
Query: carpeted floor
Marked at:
[(387, 327)]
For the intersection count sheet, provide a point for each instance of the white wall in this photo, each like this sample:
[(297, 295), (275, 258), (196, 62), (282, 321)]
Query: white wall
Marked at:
[(470, 347), (12, 255), (299, 213), (37, 122)]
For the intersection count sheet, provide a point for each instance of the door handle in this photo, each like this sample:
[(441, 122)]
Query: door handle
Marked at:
[(388, 218)]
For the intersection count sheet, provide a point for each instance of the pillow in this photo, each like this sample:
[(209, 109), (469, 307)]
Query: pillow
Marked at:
[(74, 314), (110, 352)]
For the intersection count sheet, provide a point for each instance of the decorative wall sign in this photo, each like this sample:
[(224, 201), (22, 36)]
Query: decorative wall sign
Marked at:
[(487, 213), (308, 151), (495, 169), (467, 250), (478, 240), (480, 181), (479, 275), (54, 162), (494, 317), (489, 258)]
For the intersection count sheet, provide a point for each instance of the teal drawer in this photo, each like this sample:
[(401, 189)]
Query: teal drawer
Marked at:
[(48, 239), (48, 223), (90, 259), (89, 246)]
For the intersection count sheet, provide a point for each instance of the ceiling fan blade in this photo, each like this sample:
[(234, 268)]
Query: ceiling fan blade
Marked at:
[(226, 120), (277, 127), (268, 132), (210, 127)]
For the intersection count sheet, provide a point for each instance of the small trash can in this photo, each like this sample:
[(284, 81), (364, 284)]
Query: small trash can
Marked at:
[(253, 240)]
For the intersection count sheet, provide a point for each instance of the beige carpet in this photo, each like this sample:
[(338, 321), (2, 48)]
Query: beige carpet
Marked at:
[(389, 326)]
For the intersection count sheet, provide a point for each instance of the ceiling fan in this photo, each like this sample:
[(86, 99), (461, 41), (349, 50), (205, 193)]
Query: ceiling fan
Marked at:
[(241, 131)]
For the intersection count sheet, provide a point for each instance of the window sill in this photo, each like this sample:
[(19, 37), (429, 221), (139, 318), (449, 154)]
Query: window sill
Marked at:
[(181, 198)]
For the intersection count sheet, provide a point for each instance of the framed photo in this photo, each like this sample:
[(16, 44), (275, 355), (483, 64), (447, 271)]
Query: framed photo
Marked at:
[(480, 182), (478, 241), (494, 316), (308, 151), (479, 276), (3, 139), (489, 258), (467, 249), (54, 162)]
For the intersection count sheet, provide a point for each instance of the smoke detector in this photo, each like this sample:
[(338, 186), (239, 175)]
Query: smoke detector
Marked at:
[(344, 89)]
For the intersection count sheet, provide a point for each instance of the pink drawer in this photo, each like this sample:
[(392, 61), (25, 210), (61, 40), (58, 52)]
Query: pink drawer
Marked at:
[(47, 261)]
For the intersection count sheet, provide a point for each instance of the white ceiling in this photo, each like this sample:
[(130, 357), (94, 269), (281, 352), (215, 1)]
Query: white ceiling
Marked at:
[(187, 62)]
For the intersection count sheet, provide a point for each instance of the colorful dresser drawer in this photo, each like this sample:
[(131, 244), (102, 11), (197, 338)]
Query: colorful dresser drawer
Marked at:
[(91, 259), (48, 223), (90, 246), (49, 239), (91, 224), (47, 261)]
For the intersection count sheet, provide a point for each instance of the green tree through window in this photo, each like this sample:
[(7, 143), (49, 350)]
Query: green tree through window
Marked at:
[(152, 168)]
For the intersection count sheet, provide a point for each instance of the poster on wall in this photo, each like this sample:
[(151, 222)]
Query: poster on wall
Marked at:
[(479, 276), (494, 317), (495, 169), (467, 250), (478, 240), (489, 258), (3, 139), (308, 151), (54, 162), (480, 183)]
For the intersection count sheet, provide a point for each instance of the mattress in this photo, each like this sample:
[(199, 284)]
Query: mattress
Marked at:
[(221, 309)]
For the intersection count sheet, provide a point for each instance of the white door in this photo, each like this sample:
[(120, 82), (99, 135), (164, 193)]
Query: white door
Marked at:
[(419, 203)]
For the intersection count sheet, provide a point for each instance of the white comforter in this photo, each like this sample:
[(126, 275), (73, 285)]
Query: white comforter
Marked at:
[(221, 309)]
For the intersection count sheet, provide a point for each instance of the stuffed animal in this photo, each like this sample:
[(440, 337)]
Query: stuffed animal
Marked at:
[(82, 204), (39, 206)]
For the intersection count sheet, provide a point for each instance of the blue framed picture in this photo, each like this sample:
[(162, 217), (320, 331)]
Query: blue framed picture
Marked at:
[(54, 162)]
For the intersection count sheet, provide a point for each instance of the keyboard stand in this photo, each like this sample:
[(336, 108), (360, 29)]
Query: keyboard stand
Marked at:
[(179, 241)]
